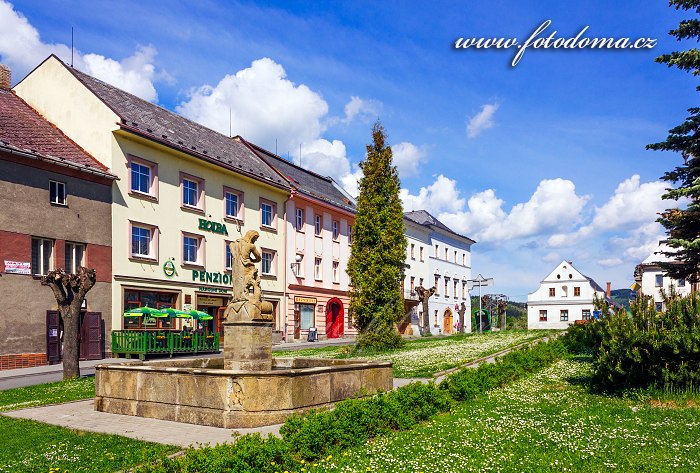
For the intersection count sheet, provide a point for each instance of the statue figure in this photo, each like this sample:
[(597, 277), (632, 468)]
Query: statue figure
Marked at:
[(423, 296), (461, 311), (246, 301)]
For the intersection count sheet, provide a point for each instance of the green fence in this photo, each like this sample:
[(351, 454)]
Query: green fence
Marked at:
[(142, 343)]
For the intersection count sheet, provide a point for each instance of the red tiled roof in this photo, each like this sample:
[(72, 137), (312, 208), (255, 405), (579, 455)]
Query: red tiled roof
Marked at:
[(23, 129)]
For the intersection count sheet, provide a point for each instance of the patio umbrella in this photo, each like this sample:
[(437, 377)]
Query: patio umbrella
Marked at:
[(194, 314), (139, 311), (170, 312)]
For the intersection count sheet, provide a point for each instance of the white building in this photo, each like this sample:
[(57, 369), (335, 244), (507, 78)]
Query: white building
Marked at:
[(439, 257), (563, 297), (653, 280)]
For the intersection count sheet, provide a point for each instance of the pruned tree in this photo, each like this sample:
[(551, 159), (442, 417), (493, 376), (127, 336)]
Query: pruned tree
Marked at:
[(69, 291), (462, 310), (376, 264), (683, 225), (423, 296)]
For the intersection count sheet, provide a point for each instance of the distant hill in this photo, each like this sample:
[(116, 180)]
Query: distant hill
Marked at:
[(622, 296)]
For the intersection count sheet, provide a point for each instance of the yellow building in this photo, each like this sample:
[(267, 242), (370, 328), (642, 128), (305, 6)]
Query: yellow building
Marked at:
[(183, 192)]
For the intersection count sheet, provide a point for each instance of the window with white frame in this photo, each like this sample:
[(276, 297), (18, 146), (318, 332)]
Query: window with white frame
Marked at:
[(317, 269), (57, 192), (267, 262), (192, 249), (543, 316), (437, 251), (659, 280), (447, 287), (300, 220), (586, 314), (447, 252), (464, 259), (564, 315), (437, 285), (420, 252), (42, 256), (228, 255), (454, 293), (336, 229), (233, 204), (267, 214), (143, 239), (455, 256), (350, 234), (413, 251), (413, 283), (464, 289), (336, 271), (143, 177), (681, 283), (317, 225), (75, 257), (192, 192)]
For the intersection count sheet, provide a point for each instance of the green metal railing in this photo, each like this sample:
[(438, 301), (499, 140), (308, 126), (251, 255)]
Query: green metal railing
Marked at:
[(142, 343)]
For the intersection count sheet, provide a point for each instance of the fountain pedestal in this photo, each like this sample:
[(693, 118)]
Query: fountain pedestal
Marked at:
[(248, 345)]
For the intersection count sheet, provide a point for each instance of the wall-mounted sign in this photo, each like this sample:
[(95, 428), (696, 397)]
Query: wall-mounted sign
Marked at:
[(169, 269), (217, 290), (209, 301), (18, 267), (214, 227), (209, 277), (304, 300)]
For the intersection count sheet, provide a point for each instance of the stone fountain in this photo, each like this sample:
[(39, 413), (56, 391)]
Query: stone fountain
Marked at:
[(246, 387)]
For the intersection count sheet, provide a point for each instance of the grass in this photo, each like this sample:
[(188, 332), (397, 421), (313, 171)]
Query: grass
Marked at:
[(30, 446), (425, 356), (547, 422)]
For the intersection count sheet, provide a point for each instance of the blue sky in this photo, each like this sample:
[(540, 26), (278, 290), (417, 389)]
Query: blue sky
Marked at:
[(553, 166)]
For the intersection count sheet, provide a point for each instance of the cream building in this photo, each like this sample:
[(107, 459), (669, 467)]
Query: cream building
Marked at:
[(184, 192), (653, 281)]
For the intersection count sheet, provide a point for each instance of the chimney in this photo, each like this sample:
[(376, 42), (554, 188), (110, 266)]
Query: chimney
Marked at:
[(5, 77), (607, 291)]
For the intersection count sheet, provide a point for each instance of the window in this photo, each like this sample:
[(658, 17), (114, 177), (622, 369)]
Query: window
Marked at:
[(75, 253), (436, 324), (420, 252), (192, 249), (233, 204), (413, 251), (447, 252), (577, 291), (143, 241), (681, 283), (552, 292), (455, 257), (42, 256), (57, 192), (229, 255), (659, 306), (413, 283), (454, 292), (306, 315), (586, 314), (143, 178), (349, 234), (437, 251), (298, 268), (464, 259), (154, 300), (437, 285), (192, 192), (447, 282), (317, 225), (300, 220), (336, 229), (543, 316), (420, 282), (336, 271), (267, 214), (317, 268), (659, 280), (464, 289), (267, 262), (564, 315)]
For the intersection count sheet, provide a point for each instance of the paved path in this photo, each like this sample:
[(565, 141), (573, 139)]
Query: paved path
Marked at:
[(80, 415)]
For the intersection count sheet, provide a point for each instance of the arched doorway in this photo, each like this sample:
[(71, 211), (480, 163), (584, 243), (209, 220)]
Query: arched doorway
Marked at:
[(447, 321), (334, 318)]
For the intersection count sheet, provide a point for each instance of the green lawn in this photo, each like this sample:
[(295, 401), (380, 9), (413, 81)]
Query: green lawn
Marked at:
[(30, 446), (547, 422), (425, 356)]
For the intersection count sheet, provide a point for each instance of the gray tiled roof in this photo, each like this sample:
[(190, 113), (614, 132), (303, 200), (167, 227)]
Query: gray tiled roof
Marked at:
[(304, 180), (422, 217), (154, 122)]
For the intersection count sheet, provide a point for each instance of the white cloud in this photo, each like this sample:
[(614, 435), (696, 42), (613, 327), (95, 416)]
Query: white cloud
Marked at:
[(350, 182), (553, 205), (408, 158), (325, 158), (366, 110), (263, 106), (22, 49), (482, 120), (609, 262)]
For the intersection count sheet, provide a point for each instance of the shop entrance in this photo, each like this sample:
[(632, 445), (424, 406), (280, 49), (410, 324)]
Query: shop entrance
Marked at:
[(334, 318), (214, 306)]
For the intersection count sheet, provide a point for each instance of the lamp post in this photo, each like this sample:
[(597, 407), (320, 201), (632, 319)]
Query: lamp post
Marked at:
[(480, 282)]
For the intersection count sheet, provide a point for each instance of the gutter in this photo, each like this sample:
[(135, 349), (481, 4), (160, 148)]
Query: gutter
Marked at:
[(56, 161)]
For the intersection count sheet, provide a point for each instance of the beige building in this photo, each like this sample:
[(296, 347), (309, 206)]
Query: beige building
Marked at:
[(184, 192)]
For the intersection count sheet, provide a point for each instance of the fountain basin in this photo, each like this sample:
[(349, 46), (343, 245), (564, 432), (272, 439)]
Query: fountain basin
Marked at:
[(201, 392)]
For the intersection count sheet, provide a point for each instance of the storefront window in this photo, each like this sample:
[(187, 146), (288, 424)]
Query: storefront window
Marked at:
[(154, 300), (307, 315)]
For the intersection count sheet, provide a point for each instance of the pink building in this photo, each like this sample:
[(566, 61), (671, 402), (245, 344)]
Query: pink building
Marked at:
[(318, 236)]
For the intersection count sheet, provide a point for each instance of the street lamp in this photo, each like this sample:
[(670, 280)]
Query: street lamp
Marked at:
[(479, 282)]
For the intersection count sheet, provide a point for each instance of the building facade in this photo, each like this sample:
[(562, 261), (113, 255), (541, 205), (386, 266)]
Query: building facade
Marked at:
[(184, 192), (319, 219), (56, 212), (442, 259), (563, 297), (653, 281)]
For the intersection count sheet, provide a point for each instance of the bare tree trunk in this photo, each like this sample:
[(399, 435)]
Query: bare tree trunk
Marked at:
[(71, 343), (461, 312), (423, 296)]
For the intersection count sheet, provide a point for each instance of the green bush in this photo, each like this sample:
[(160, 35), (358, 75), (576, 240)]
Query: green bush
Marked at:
[(650, 349)]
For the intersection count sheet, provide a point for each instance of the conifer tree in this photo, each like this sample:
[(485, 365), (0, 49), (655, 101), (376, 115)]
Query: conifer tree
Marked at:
[(376, 264), (683, 225)]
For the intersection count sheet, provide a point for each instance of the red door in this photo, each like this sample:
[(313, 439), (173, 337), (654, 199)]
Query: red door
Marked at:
[(334, 318), (91, 336), (53, 336)]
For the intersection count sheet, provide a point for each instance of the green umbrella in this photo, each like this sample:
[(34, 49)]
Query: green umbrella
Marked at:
[(194, 314), (139, 311), (205, 317), (170, 312)]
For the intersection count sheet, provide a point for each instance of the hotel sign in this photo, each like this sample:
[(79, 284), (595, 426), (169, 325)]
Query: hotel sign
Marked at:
[(212, 278), (214, 227), (304, 300)]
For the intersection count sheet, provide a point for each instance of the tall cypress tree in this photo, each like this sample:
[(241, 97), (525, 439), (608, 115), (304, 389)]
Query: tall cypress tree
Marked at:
[(376, 265), (683, 225)]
